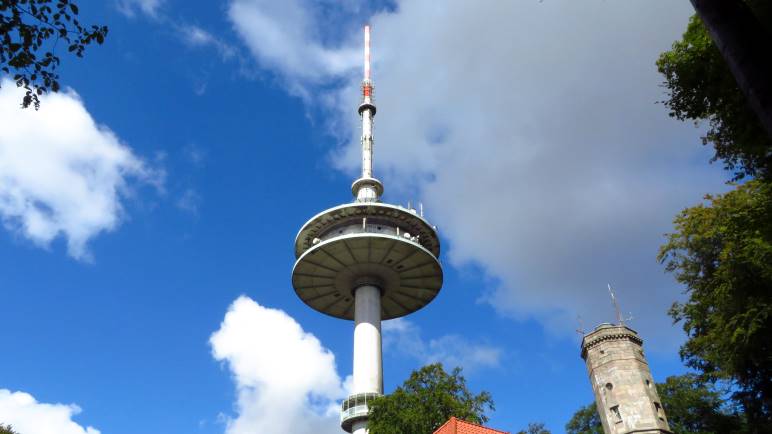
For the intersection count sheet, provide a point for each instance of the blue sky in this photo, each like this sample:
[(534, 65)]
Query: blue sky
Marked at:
[(164, 189)]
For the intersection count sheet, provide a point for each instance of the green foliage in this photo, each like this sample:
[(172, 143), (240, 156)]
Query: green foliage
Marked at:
[(30, 31), (722, 253), (535, 428), (701, 87), (691, 408), (585, 421), (425, 401), (7, 429)]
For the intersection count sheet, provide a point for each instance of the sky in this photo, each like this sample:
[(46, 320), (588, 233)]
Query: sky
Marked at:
[(149, 209)]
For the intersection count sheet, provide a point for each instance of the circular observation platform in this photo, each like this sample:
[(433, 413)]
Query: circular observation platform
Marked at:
[(367, 243)]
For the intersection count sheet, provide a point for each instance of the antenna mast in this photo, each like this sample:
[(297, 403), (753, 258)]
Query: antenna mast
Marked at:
[(580, 330), (620, 321), (367, 188)]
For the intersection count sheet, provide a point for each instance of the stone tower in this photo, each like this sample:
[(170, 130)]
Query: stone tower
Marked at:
[(625, 393)]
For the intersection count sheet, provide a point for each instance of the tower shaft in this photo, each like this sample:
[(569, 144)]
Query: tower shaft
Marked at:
[(625, 393), (367, 143), (368, 368)]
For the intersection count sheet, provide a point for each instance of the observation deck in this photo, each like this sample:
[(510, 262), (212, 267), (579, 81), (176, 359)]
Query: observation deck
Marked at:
[(384, 245), (355, 408)]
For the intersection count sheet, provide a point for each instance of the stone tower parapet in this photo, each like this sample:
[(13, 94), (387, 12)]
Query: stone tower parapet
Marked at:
[(625, 393)]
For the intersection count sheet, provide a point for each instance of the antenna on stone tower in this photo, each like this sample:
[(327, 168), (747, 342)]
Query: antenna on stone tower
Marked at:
[(580, 330), (620, 319), (616, 306)]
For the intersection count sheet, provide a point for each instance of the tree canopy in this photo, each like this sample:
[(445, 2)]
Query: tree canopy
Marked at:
[(691, 408), (585, 421), (694, 408), (425, 401), (535, 428), (30, 33), (722, 253), (7, 429), (701, 87)]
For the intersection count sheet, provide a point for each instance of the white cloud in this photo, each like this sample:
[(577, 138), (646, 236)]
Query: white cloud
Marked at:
[(401, 336), (147, 7), (529, 130), (27, 416), (286, 381), (283, 35), (189, 201), (197, 37), (61, 173)]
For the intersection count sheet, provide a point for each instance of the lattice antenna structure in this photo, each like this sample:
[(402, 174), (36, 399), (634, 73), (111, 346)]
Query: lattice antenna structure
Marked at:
[(620, 319), (615, 304), (581, 329)]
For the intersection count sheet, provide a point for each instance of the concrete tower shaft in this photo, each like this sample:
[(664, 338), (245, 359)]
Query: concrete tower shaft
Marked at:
[(625, 393), (367, 340), (366, 261)]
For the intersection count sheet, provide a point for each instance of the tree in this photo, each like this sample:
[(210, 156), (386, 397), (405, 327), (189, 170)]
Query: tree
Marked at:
[(30, 32), (691, 408), (535, 428), (745, 45), (7, 429), (701, 86), (425, 401), (722, 253), (585, 421)]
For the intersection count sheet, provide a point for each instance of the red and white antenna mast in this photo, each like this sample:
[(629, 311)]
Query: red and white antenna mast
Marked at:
[(367, 188)]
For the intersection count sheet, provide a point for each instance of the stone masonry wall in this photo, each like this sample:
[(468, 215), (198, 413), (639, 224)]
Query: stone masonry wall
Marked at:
[(625, 394)]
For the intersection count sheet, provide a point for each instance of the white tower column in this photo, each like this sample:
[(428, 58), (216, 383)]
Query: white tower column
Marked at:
[(359, 427), (368, 368)]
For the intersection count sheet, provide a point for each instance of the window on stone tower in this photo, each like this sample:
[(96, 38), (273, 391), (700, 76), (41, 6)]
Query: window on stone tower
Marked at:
[(615, 415), (660, 413)]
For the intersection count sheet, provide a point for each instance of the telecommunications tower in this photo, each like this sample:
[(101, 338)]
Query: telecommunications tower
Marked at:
[(366, 261)]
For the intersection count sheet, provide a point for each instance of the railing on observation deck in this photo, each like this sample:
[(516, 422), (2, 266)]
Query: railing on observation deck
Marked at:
[(355, 407)]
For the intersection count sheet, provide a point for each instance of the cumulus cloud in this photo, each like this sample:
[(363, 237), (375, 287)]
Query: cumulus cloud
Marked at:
[(28, 416), (403, 337), (286, 381), (285, 36), (61, 173), (530, 132)]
